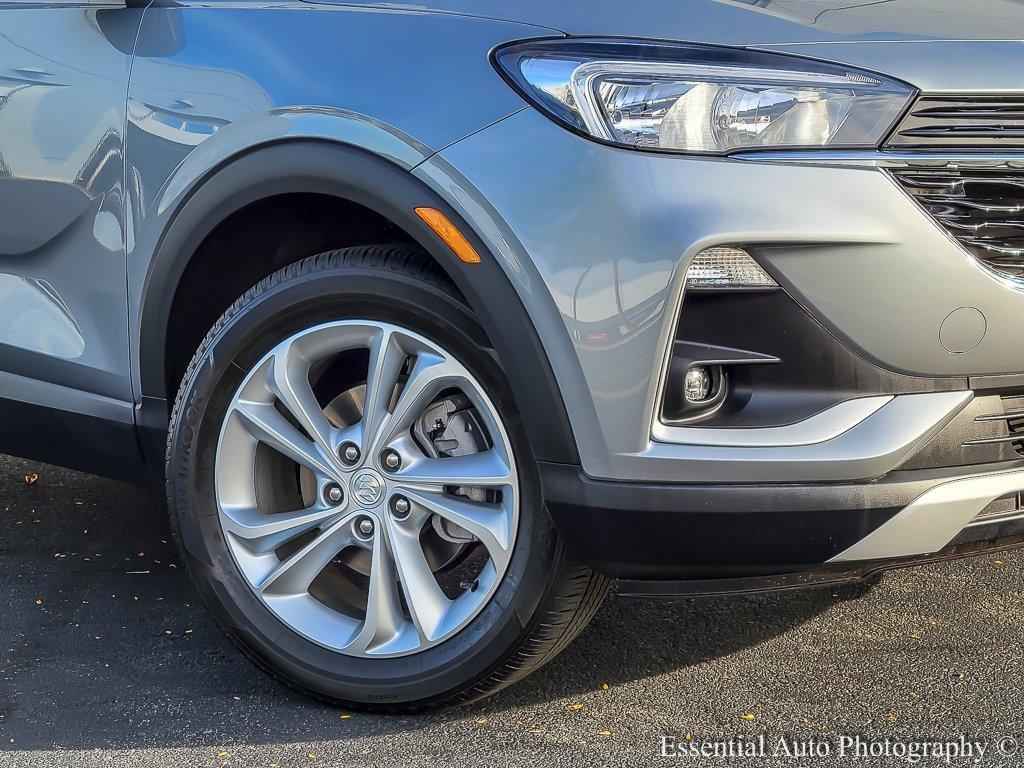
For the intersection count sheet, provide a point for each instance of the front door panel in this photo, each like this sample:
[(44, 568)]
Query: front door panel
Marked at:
[(63, 81), (63, 318)]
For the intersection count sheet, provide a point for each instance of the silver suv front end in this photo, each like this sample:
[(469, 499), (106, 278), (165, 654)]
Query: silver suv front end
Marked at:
[(886, 349)]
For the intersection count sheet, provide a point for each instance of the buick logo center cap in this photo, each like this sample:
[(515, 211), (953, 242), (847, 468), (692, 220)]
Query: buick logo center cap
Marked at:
[(367, 488)]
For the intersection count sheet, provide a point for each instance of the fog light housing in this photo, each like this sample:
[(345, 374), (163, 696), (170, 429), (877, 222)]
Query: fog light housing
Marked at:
[(697, 384)]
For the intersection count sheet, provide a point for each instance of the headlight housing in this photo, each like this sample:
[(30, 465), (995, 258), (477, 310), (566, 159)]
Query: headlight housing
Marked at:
[(669, 97)]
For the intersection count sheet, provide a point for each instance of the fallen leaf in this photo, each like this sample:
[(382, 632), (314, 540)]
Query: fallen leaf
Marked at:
[(998, 562), (32, 478), (481, 721), (311, 756), (688, 736), (604, 733), (223, 753), (604, 686), (575, 706), (747, 716)]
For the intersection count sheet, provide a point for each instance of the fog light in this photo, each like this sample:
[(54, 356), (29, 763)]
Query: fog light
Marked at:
[(697, 384)]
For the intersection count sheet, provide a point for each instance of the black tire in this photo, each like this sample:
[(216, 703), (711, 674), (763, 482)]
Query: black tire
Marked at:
[(544, 600)]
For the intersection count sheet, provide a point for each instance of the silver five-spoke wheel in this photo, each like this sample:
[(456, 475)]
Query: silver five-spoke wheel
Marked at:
[(366, 488)]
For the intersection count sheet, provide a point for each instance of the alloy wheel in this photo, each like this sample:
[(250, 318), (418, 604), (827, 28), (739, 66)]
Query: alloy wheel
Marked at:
[(366, 488)]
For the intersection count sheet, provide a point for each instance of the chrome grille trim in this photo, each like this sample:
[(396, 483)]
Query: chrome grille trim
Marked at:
[(982, 122), (1008, 161), (1013, 431), (982, 209)]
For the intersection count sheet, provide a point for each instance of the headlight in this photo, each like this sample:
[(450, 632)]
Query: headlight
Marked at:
[(690, 98)]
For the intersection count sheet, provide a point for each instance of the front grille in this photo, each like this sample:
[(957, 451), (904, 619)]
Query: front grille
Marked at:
[(976, 122), (1009, 422), (982, 209)]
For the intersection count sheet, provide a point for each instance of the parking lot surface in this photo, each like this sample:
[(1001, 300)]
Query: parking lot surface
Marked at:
[(108, 659)]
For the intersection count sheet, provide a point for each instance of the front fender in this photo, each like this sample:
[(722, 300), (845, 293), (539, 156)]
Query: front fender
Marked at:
[(303, 165)]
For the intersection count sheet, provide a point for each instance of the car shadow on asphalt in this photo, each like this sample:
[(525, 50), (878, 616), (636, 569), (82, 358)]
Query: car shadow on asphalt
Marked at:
[(106, 645)]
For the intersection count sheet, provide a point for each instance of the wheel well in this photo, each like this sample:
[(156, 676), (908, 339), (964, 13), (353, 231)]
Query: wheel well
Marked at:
[(252, 243), (278, 204)]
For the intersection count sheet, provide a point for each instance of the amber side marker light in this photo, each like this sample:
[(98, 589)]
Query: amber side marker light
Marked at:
[(454, 239)]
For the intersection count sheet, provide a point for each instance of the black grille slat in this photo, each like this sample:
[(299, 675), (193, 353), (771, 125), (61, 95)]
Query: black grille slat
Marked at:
[(983, 210), (983, 122)]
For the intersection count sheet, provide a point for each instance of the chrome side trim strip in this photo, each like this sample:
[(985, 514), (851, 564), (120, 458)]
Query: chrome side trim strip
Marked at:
[(823, 426), (931, 521), (996, 519), (995, 440), (869, 449), (879, 159)]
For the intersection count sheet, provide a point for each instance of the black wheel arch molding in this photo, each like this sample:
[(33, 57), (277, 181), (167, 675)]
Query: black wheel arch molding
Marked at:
[(312, 166)]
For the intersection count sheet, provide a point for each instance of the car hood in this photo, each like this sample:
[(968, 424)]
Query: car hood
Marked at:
[(753, 22)]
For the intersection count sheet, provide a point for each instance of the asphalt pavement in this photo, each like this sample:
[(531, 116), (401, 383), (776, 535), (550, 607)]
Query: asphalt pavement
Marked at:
[(109, 659)]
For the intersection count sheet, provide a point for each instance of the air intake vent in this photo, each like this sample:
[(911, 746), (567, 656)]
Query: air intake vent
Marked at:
[(1011, 422), (983, 209), (1004, 508), (940, 122)]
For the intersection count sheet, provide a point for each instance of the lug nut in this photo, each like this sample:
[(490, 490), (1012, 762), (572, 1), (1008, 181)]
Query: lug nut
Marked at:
[(349, 453), (400, 507), (365, 526), (333, 493), (391, 459)]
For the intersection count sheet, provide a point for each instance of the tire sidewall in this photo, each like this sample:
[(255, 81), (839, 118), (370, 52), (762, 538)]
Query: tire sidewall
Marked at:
[(273, 311)]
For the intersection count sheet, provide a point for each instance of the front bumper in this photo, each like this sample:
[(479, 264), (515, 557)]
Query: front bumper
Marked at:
[(663, 532)]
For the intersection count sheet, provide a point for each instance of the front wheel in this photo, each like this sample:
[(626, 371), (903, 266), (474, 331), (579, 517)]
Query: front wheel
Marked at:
[(354, 494)]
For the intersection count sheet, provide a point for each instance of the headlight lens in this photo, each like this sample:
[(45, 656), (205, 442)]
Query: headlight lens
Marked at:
[(689, 98)]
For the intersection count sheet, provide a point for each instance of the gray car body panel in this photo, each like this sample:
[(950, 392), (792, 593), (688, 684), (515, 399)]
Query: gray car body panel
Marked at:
[(62, 302), (752, 22), (202, 93), (856, 244), (590, 236)]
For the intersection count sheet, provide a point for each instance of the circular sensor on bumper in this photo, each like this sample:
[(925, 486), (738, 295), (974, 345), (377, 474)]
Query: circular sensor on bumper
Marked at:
[(962, 330)]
